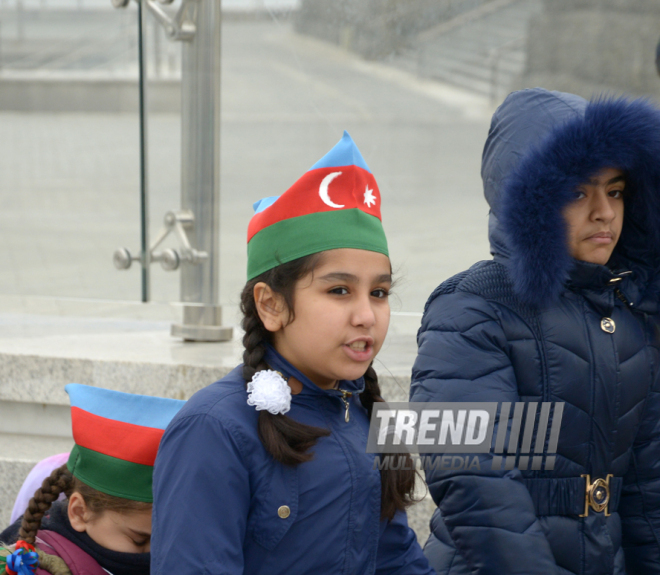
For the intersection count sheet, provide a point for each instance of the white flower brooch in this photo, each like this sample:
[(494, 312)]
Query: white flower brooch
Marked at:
[(269, 390)]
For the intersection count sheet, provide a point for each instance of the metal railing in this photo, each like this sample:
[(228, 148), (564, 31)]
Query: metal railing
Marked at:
[(197, 25)]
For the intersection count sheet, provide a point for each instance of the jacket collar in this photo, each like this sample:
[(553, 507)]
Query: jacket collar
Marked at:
[(585, 275), (278, 363)]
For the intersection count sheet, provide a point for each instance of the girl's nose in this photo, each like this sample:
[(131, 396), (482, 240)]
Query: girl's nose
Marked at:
[(363, 313), (601, 208)]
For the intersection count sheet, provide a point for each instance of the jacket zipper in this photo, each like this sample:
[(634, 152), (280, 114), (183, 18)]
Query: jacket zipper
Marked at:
[(618, 293), (344, 397)]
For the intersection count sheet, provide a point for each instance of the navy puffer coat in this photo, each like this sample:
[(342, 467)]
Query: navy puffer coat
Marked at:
[(527, 327)]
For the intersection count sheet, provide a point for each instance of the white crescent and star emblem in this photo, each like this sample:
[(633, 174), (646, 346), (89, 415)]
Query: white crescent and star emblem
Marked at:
[(369, 197), (323, 190)]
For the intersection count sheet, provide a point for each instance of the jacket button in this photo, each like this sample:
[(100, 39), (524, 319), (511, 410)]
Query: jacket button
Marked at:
[(284, 511), (607, 324)]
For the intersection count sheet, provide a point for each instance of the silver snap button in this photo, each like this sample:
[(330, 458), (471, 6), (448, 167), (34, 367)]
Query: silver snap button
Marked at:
[(607, 325)]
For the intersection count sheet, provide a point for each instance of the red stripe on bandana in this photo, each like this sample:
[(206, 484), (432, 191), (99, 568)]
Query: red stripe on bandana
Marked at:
[(352, 188), (126, 441)]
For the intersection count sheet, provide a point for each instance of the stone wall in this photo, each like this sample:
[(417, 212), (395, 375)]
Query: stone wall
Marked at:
[(595, 46), (375, 28)]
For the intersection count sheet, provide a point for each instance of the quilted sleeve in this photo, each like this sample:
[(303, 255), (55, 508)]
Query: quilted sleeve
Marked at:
[(640, 499), (490, 517)]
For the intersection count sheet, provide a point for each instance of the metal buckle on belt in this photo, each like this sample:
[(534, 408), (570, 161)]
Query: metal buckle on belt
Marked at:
[(597, 495)]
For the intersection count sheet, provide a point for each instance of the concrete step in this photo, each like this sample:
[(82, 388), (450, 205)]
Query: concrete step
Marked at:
[(71, 92), (20, 452), (41, 352), (475, 74), (463, 56)]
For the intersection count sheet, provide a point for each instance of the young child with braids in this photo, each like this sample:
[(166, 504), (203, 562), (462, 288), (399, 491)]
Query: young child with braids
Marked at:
[(104, 525), (265, 472)]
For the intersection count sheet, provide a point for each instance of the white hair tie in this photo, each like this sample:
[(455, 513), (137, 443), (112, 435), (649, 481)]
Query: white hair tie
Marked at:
[(269, 390)]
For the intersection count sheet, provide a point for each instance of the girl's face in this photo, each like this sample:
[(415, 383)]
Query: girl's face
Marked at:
[(126, 532), (341, 316), (595, 218)]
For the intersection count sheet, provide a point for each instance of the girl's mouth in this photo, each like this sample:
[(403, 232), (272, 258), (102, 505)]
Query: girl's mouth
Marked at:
[(358, 345), (360, 349), (601, 238)]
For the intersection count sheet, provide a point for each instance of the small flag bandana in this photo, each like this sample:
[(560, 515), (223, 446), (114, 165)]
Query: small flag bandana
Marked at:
[(116, 439), (336, 204)]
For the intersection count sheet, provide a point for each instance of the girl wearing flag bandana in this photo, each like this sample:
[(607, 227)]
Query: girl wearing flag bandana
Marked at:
[(266, 470), (104, 524)]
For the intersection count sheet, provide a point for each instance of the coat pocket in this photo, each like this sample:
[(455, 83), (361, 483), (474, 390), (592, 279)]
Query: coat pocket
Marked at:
[(275, 508)]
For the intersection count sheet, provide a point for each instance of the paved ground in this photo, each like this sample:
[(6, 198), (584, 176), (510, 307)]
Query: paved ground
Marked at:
[(69, 185)]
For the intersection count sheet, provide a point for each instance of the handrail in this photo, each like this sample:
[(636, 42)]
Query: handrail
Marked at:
[(427, 36), (463, 19)]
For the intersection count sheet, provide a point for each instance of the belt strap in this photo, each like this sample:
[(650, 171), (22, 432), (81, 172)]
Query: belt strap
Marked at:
[(566, 495)]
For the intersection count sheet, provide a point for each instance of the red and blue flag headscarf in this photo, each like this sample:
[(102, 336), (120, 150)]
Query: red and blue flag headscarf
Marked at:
[(116, 439), (336, 204)]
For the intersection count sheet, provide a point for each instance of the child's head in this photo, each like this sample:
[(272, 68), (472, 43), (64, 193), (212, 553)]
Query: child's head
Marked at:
[(115, 523), (327, 313), (319, 277), (108, 478), (319, 272)]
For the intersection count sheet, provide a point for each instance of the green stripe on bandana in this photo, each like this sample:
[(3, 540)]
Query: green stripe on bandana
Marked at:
[(294, 238), (111, 475)]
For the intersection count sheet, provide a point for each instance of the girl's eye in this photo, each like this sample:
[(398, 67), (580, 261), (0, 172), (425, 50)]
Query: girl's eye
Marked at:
[(616, 194), (339, 291), (142, 542), (380, 293), (579, 194)]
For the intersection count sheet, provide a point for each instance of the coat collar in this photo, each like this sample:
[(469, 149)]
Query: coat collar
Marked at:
[(585, 275), (277, 362)]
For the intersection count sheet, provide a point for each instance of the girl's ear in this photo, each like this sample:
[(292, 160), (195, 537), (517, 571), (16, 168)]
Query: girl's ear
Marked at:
[(78, 512), (271, 307)]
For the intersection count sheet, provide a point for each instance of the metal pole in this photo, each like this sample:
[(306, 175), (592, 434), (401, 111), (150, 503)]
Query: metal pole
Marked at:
[(157, 49), (144, 203), (200, 175), (20, 20)]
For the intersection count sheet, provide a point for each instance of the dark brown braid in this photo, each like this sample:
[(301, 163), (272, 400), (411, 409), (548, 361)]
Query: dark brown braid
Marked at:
[(289, 441), (286, 440), (61, 481), (397, 485)]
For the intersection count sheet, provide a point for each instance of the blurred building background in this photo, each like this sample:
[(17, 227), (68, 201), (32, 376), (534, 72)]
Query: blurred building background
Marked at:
[(415, 83)]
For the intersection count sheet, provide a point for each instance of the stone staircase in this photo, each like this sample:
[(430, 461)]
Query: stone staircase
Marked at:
[(127, 347), (482, 51)]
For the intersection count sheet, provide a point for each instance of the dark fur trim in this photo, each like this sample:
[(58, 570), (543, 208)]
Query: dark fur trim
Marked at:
[(616, 133)]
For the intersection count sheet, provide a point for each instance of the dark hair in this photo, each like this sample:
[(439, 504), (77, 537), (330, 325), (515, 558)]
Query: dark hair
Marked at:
[(62, 481), (287, 440)]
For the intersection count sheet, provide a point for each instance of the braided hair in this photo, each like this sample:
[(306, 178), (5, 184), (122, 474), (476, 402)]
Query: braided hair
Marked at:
[(59, 481), (62, 481), (287, 440)]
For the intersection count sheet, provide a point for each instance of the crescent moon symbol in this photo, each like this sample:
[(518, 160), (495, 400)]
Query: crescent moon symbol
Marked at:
[(323, 190)]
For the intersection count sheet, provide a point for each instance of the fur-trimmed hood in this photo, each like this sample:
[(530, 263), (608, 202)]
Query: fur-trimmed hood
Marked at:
[(540, 147)]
